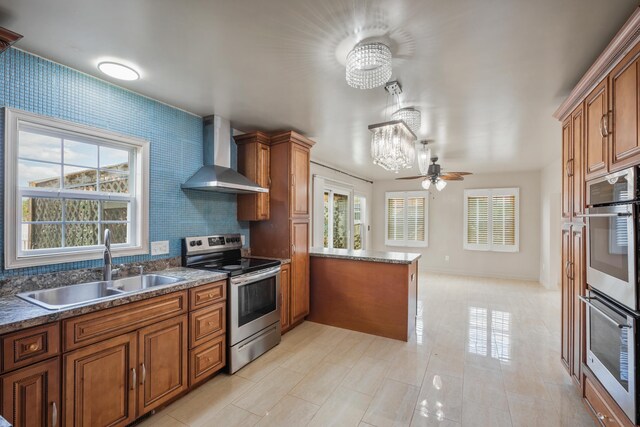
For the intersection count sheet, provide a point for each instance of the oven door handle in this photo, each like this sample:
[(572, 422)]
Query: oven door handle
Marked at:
[(603, 215), (254, 277), (587, 301)]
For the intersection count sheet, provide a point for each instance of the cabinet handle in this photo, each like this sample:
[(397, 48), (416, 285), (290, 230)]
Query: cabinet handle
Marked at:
[(269, 181), (33, 347), (572, 270), (605, 123), (54, 414), (134, 380), (566, 270), (293, 249), (602, 126), (144, 374)]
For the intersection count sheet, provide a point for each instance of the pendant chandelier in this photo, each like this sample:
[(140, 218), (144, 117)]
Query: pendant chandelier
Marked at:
[(424, 157), (368, 65), (393, 142), (410, 116)]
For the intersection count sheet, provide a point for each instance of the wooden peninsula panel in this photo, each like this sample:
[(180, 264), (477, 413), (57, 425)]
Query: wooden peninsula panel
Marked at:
[(377, 298)]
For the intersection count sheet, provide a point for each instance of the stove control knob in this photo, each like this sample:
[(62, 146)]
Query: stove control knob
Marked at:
[(199, 242), (192, 243), (237, 240)]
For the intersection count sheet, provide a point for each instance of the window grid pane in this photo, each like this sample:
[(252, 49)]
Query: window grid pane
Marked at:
[(395, 225), (503, 220), (478, 220)]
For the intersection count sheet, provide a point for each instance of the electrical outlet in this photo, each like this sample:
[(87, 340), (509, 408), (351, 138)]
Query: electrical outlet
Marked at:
[(242, 239), (446, 257), (160, 248)]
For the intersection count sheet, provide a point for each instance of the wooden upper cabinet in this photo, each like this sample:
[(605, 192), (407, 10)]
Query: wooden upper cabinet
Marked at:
[(624, 119), (567, 159), (100, 383), (162, 373), (577, 167), (299, 291), (596, 110), (31, 395), (300, 158), (254, 163)]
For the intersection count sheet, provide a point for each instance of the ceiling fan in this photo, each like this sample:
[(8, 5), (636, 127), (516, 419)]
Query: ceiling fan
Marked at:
[(434, 174)]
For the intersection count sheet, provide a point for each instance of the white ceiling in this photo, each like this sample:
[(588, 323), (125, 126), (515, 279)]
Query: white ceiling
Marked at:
[(487, 74)]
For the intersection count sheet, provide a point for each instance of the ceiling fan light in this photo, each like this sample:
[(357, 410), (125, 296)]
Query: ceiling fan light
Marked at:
[(426, 183), (369, 65), (441, 184)]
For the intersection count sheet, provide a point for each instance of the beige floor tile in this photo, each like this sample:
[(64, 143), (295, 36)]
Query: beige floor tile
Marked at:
[(209, 398), (265, 394), (408, 367), (161, 420), (230, 416), (348, 351), (265, 364), (440, 397), (307, 358), (383, 348), (424, 419), (478, 415), (318, 384), (367, 375), (485, 387), (393, 405), (290, 411), (344, 408), (533, 412), (446, 362), (525, 383)]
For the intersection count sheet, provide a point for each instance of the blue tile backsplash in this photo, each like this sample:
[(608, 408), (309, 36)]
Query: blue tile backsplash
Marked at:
[(34, 84)]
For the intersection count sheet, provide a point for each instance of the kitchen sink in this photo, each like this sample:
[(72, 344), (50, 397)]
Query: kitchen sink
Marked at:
[(68, 296), (145, 281)]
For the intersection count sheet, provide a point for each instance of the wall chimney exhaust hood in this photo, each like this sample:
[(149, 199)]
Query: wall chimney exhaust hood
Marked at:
[(216, 174)]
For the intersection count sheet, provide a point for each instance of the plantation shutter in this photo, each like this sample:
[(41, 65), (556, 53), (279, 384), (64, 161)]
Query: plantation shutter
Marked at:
[(415, 219), (478, 221), (395, 218), (503, 211)]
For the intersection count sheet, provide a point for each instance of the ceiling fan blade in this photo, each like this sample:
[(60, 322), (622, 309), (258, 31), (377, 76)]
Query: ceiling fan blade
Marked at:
[(412, 177), (451, 178), (457, 173)]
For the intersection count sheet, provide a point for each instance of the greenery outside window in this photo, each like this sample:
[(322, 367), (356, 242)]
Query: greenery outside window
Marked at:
[(65, 184)]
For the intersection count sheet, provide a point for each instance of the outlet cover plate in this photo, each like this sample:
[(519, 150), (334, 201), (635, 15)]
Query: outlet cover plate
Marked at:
[(160, 248)]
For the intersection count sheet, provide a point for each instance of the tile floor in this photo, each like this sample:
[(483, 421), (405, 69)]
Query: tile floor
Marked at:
[(485, 354)]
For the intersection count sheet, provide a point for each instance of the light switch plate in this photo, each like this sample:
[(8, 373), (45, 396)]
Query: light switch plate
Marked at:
[(160, 248), (242, 239)]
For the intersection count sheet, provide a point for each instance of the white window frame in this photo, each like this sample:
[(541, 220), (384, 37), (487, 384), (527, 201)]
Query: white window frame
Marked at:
[(406, 195), (139, 215), (490, 193), (335, 188), (363, 219)]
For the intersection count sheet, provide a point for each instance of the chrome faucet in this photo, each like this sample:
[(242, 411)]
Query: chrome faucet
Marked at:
[(106, 269)]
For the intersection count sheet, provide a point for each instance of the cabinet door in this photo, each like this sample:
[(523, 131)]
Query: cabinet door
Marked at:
[(100, 383), (285, 297), (625, 117), (299, 181), (299, 270), (578, 289), (596, 109), (567, 159), (31, 395), (163, 362), (577, 162), (264, 180), (566, 297)]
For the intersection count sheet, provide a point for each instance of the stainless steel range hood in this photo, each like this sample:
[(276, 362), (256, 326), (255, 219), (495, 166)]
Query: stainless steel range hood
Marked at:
[(216, 174)]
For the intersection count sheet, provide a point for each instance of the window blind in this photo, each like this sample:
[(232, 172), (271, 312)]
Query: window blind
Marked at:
[(504, 220), (395, 218), (406, 218), (478, 220), (415, 219), (491, 219)]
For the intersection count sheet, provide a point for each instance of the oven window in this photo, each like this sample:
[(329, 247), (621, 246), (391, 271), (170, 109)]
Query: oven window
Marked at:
[(610, 345), (609, 244), (256, 299)]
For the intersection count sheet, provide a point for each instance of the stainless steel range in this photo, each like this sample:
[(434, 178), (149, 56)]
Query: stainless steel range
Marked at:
[(253, 297)]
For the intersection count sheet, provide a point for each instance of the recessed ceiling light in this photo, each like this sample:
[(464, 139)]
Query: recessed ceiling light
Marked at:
[(118, 71)]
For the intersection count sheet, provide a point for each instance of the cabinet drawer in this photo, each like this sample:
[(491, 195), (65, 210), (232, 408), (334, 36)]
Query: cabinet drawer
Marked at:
[(30, 345), (205, 295), (207, 359), (207, 323), (103, 324), (602, 409)]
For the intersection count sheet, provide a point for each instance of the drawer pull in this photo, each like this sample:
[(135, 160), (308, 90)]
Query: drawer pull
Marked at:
[(602, 417), (33, 347), (210, 323), (210, 295)]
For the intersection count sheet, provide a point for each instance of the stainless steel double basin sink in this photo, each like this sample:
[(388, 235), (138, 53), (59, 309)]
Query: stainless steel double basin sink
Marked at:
[(68, 296)]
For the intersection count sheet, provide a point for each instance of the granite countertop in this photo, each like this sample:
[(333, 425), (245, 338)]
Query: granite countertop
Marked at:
[(16, 313), (362, 255)]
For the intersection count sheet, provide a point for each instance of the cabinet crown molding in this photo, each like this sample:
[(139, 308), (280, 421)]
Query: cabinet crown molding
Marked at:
[(622, 43)]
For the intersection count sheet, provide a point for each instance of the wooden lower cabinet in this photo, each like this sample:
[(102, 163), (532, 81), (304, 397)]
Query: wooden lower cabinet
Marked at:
[(604, 409), (100, 383), (566, 297), (163, 363), (207, 359), (31, 395), (285, 297), (299, 270)]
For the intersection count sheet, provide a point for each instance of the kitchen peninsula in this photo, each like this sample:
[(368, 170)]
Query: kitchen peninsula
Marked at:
[(367, 291)]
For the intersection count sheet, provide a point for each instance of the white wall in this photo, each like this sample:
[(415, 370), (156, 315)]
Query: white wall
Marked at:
[(359, 186), (550, 216), (446, 226)]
